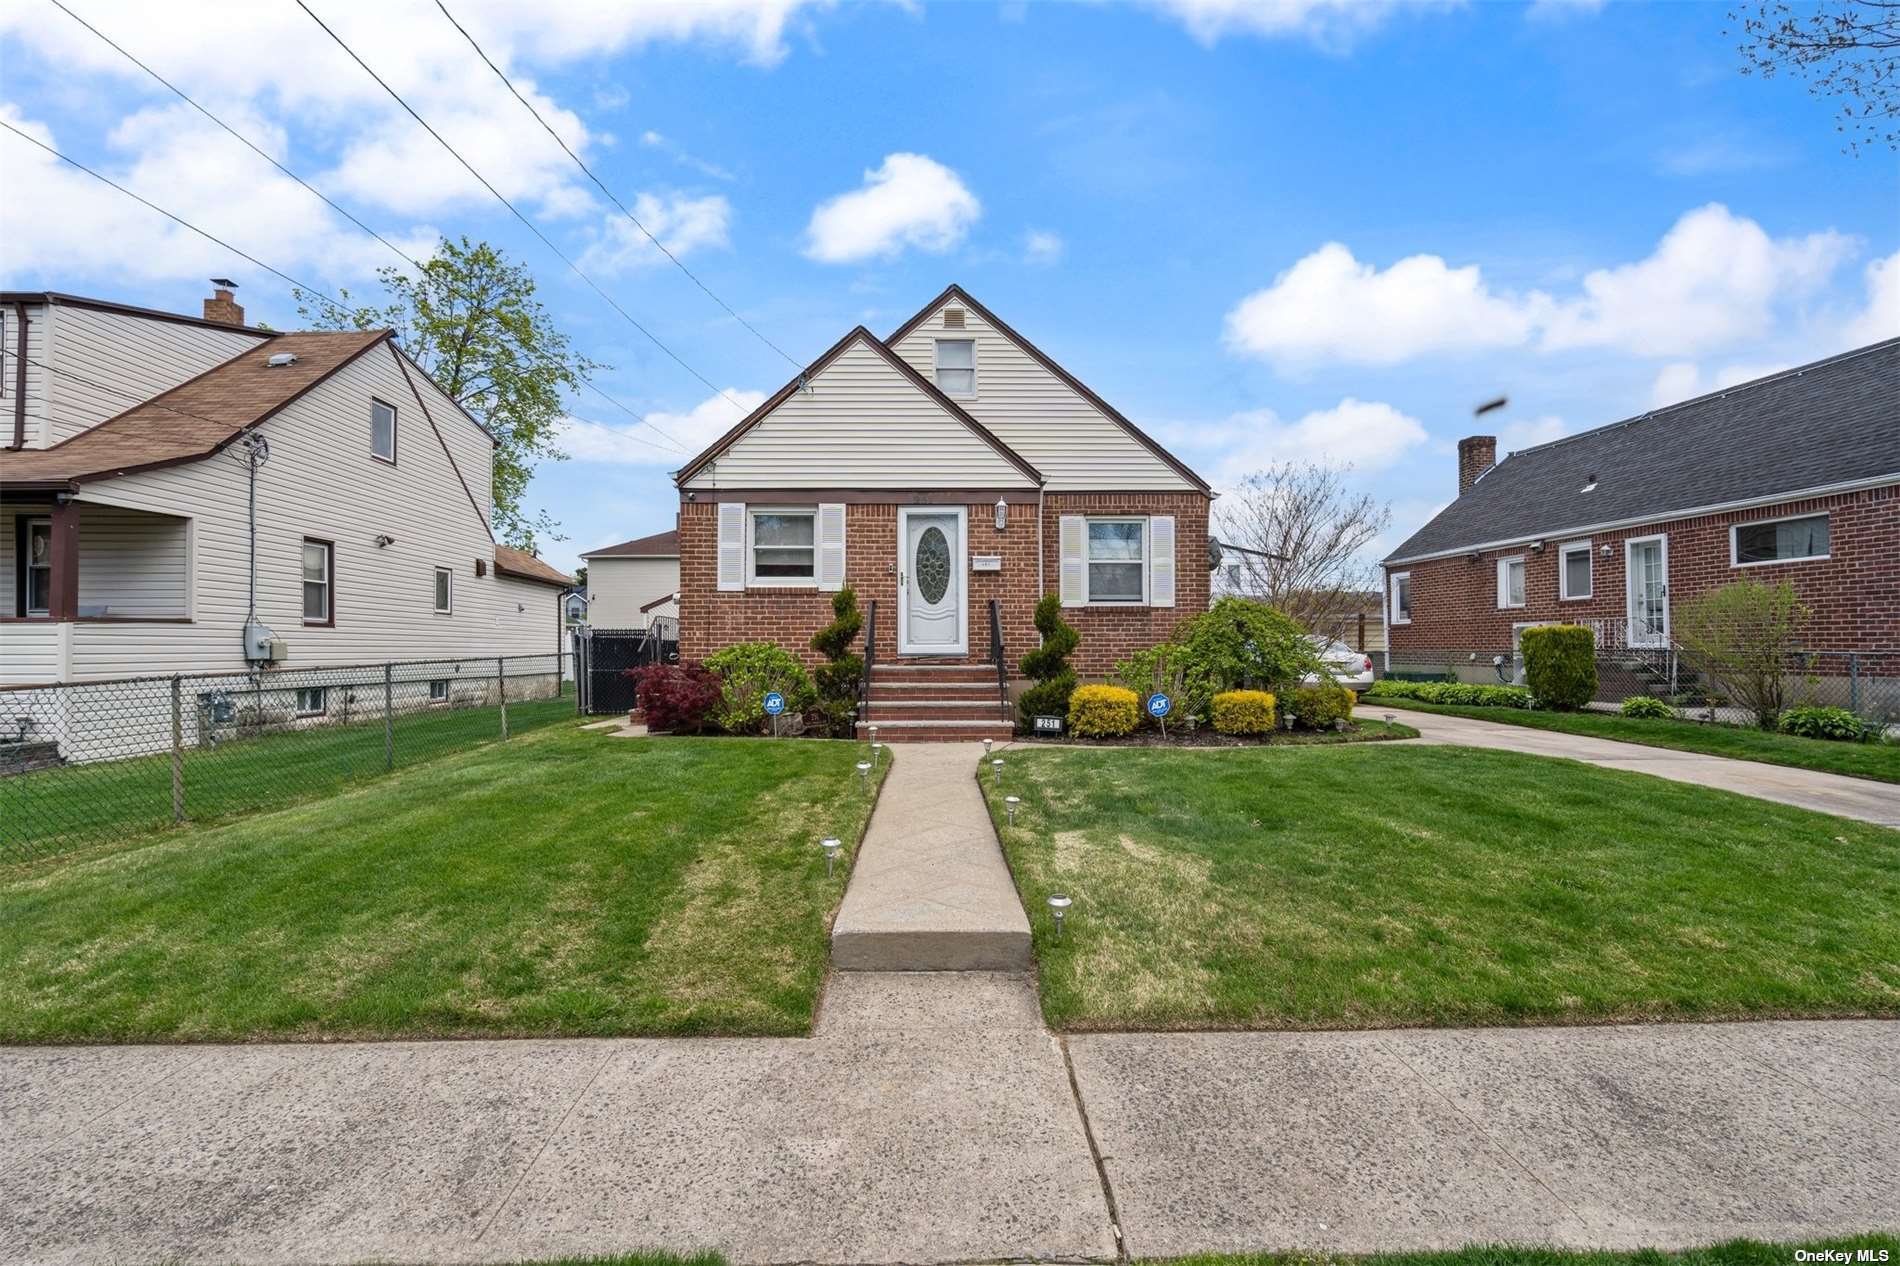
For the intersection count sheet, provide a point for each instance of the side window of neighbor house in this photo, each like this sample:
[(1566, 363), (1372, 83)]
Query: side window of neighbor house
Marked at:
[(1402, 597), (784, 546), (382, 431), (318, 567), (956, 366), (1574, 569), (1511, 582), (39, 566), (444, 591), (1781, 540)]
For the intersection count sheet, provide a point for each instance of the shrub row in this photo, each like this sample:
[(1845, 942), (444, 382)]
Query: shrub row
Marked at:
[(1243, 712), (1455, 692)]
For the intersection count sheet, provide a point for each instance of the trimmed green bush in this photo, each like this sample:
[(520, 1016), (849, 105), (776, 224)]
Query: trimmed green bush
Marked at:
[(1048, 666), (1453, 692), (1648, 709), (1321, 707), (748, 672), (1560, 665), (1162, 670), (839, 676), (1103, 711), (1244, 712), (1823, 723)]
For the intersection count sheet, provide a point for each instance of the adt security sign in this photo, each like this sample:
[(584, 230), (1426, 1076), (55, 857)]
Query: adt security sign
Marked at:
[(774, 703), (1159, 705)]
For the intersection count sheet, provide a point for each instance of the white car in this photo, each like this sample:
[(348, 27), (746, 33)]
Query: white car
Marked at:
[(1351, 669)]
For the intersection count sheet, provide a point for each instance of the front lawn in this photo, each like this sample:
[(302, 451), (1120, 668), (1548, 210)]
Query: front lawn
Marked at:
[(561, 883), (1378, 885), (1861, 760)]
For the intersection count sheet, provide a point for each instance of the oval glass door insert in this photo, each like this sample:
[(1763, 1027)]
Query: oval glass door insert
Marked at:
[(932, 565)]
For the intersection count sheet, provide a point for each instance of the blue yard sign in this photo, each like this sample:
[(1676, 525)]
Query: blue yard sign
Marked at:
[(1159, 705), (774, 703)]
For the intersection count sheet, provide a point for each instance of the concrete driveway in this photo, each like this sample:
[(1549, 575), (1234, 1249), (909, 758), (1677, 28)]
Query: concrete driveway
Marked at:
[(1861, 798)]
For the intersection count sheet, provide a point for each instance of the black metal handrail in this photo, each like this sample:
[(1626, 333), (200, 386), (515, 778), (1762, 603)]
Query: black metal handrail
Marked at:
[(870, 653), (996, 655)]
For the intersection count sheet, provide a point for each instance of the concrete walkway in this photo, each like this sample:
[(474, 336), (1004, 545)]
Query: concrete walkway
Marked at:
[(930, 1119), (930, 891), (1838, 794)]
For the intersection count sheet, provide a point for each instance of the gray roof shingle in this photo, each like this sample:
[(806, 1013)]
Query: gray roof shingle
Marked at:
[(1832, 422)]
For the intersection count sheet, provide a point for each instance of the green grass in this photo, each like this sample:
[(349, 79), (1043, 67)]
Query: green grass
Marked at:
[(1879, 761), (1381, 885), (52, 810), (563, 883), (1729, 1253)]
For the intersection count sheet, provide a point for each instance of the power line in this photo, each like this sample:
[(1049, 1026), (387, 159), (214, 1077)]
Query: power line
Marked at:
[(588, 171), (512, 210), (631, 412)]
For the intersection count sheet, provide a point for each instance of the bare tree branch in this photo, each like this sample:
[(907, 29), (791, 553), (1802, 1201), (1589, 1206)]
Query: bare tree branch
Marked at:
[(1848, 49), (1317, 531)]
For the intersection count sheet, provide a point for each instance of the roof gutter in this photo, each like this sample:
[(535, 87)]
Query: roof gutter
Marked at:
[(19, 380), (1660, 516)]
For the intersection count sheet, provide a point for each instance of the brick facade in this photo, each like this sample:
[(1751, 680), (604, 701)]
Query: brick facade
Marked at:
[(711, 619), (1854, 592)]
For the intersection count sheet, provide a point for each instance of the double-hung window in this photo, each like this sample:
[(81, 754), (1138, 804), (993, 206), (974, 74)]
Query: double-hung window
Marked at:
[(38, 564), (382, 431), (1401, 597), (1573, 570), (783, 549), (1511, 581), (1117, 560), (319, 566), (1779, 540), (444, 591), (956, 366)]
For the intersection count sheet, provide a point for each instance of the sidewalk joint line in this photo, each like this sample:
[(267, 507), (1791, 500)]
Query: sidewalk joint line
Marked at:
[(1095, 1150), (606, 1059)]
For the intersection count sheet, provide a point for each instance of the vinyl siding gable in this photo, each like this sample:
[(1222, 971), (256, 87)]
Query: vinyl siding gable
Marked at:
[(106, 362), (1057, 430)]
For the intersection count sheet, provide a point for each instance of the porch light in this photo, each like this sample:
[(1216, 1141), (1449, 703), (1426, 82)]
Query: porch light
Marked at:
[(1059, 904), (1002, 514), (831, 847), (1010, 803), (864, 773), (996, 771)]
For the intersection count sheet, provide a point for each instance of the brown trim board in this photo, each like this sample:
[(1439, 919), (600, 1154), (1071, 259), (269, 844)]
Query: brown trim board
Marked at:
[(863, 497)]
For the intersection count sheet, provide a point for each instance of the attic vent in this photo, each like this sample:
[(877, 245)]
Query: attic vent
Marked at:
[(953, 318), (282, 360), (1589, 484)]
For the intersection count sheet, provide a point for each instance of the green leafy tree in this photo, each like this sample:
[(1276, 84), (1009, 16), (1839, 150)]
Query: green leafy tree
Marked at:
[(1746, 636), (471, 321), (839, 675), (1048, 665)]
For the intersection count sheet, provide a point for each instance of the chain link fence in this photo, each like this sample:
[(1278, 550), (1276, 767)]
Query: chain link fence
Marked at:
[(85, 762), (1866, 683)]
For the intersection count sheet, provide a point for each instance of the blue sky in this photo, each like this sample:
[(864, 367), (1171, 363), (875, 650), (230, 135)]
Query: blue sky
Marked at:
[(1302, 229)]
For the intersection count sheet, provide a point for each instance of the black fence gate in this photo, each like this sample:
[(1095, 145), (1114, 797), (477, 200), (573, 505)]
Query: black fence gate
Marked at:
[(605, 655)]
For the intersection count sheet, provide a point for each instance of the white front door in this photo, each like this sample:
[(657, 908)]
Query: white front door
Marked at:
[(930, 618), (1648, 564)]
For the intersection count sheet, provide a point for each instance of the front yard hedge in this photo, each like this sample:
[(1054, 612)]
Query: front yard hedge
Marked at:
[(1103, 711), (1322, 707), (1243, 712), (1455, 692), (1560, 665), (748, 671)]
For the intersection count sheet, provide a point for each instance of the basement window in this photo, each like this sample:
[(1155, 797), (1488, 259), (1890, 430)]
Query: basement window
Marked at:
[(439, 690), (313, 701)]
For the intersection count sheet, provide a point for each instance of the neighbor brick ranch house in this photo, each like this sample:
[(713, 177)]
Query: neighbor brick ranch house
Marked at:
[(1793, 477), (948, 467)]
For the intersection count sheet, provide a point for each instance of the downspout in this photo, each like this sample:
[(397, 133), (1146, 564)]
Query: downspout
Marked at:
[(19, 381), (1039, 508)]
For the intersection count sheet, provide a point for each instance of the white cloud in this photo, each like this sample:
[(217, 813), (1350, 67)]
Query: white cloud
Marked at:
[(910, 200), (1715, 279), (1515, 436), (1328, 23), (1684, 380), (1367, 435), (683, 224), (1331, 307), (678, 153), (1881, 320), (631, 444), (1042, 248)]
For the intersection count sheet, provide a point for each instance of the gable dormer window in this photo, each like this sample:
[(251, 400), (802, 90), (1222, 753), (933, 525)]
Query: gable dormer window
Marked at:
[(382, 431), (956, 366)]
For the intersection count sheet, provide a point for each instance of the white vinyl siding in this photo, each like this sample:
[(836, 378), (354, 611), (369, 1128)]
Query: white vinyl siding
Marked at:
[(618, 587), (1054, 428), (1574, 576), (1779, 541), (106, 362), (860, 424), (133, 565)]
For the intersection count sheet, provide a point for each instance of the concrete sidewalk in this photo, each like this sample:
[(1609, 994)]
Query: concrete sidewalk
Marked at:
[(930, 1119), (1838, 794)]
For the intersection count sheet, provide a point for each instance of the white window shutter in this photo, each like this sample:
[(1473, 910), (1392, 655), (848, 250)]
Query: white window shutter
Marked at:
[(1072, 578), (731, 545), (831, 547), (1161, 565)]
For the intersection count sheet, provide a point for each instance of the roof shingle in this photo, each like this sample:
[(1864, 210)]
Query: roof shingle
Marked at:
[(522, 565), (659, 545)]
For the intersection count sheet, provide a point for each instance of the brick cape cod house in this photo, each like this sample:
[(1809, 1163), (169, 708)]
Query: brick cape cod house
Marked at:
[(946, 469), (1795, 477)]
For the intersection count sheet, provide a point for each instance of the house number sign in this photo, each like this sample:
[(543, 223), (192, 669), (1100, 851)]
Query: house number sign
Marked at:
[(986, 562)]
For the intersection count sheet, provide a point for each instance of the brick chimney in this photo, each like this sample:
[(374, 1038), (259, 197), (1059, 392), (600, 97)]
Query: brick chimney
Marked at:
[(1476, 454), (223, 304)]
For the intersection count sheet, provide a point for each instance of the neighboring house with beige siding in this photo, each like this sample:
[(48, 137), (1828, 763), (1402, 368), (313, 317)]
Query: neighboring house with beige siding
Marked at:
[(951, 474), (126, 536), (631, 584)]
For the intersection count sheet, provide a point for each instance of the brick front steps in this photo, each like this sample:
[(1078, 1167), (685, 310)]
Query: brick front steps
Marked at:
[(932, 700)]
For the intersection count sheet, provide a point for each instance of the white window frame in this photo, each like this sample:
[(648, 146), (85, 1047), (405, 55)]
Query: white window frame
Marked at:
[(328, 619), (321, 694), (1397, 612), (394, 424), (752, 578), (436, 591), (936, 367), (1735, 541), (439, 690), (27, 563), (1147, 554), (1564, 552), (1504, 586), (1661, 638)]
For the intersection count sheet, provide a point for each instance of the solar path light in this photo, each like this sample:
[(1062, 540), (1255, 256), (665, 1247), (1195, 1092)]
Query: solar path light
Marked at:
[(1010, 803), (1059, 904), (874, 743), (864, 774), (831, 847), (986, 748), (1389, 718), (996, 771)]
